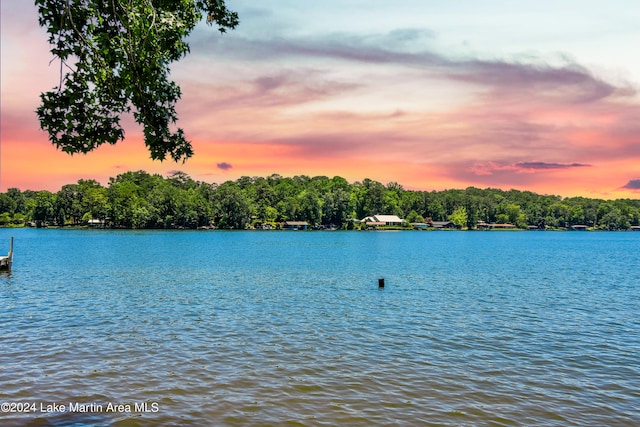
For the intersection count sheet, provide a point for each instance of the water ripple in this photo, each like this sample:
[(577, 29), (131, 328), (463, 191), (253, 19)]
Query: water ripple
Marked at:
[(290, 329)]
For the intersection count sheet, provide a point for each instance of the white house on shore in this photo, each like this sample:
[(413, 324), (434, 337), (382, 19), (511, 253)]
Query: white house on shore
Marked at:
[(383, 220), (95, 223)]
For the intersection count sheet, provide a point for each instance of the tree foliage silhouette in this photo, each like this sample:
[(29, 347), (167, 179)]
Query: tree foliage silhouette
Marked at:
[(114, 59)]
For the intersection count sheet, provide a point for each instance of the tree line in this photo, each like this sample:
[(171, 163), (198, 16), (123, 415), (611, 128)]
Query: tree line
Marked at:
[(143, 200)]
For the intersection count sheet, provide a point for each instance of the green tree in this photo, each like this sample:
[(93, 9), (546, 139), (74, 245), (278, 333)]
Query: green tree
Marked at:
[(123, 199), (459, 216), (7, 204), (516, 216), (502, 218), (182, 180), (436, 211), (19, 198), (289, 208), (411, 201), (232, 206), (144, 181), (163, 205), (5, 218), (44, 207), (69, 204), (369, 198), (392, 199), (336, 207), (91, 198), (413, 216), (141, 217), (269, 214), (19, 218), (310, 207), (615, 220), (560, 214), (114, 56)]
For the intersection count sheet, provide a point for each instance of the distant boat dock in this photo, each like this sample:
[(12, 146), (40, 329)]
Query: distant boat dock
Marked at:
[(6, 261)]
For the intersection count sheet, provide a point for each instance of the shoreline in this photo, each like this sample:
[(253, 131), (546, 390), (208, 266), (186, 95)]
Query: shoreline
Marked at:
[(212, 228)]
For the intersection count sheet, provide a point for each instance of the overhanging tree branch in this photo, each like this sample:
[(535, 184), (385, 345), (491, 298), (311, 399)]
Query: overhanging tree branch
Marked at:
[(122, 51)]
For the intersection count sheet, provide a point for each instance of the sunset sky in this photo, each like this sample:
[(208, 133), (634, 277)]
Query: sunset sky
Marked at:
[(436, 94)]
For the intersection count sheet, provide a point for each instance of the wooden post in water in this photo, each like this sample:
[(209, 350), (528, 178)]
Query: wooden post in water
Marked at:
[(381, 283)]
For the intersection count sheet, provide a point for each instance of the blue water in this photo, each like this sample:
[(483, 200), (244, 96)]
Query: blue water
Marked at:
[(290, 328)]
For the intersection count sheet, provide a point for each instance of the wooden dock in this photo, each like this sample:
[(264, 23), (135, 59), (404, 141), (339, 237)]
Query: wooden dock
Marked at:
[(6, 261)]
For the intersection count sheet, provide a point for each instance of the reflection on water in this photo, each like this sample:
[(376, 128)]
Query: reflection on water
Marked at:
[(276, 328)]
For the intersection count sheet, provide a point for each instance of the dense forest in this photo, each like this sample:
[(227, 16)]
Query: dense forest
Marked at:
[(142, 200)]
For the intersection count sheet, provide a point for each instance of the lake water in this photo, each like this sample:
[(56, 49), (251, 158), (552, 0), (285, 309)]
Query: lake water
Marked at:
[(214, 328)]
